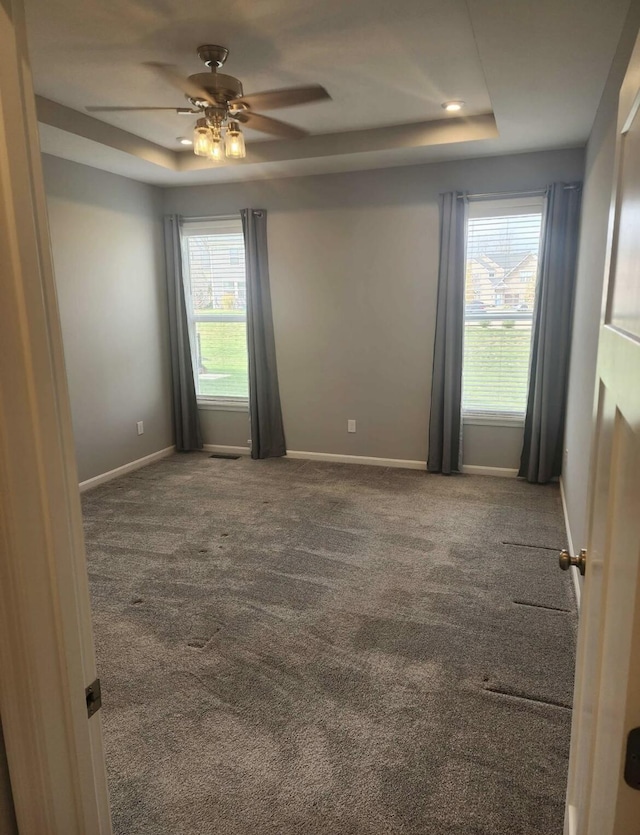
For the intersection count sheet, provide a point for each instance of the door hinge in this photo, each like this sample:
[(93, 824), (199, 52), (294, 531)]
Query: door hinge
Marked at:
[(93, 696), (632, 760)]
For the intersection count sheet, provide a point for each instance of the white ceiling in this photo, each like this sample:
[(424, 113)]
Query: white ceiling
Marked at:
[(538, 65)]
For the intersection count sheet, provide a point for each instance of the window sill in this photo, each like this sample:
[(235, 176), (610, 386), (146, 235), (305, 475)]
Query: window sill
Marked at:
[(493, 420), (224, 405)]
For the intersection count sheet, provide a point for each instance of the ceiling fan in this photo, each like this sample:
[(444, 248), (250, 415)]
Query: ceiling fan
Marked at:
[(219, 101)]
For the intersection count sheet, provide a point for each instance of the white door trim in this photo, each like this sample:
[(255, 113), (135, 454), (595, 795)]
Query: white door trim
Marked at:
[(54, 751)]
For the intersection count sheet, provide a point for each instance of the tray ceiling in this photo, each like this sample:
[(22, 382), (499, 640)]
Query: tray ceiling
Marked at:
[(538, 67)]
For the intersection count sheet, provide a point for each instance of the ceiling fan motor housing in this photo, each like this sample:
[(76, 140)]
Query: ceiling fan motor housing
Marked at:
[(222, 87)]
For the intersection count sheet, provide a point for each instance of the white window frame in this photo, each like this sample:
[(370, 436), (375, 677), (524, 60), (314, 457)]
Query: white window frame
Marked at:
[(479, 207), (203, 226)]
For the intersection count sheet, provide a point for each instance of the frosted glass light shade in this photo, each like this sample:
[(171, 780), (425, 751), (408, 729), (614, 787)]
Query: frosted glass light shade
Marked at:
[(202, 140), (216, 154), (234, 142)]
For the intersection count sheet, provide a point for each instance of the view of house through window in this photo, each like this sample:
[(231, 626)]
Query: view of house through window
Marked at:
[(214, 270), (503, 242)]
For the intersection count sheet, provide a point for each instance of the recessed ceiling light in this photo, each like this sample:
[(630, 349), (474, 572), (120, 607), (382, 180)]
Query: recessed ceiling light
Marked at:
[(184, 140), (453, 106)]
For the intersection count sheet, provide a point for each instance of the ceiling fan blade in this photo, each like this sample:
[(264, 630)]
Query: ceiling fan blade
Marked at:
[(171, 74), (266, 124), (286, 97), (180, 110)]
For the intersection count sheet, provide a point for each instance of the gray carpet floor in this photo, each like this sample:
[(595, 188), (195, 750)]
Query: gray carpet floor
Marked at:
[(291, 647)]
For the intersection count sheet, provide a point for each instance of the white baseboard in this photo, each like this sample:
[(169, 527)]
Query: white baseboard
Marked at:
[(575, 574), (226, 450), (502, 472), (126, 468), (339, 458), (336, 458)]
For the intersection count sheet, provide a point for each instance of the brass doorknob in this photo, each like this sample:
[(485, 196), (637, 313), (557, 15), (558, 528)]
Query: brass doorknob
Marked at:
[(580, 562)]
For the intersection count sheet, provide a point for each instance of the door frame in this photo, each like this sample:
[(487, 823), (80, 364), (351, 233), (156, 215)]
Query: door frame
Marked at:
[(54, 751), (615, 351)]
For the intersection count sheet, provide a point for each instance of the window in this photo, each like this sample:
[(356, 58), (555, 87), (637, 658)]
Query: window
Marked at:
[(503, 242), (216, 293)]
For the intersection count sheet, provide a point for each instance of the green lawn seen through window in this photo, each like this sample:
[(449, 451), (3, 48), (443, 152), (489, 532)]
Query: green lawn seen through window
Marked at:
[(223, 363), (496, 366)]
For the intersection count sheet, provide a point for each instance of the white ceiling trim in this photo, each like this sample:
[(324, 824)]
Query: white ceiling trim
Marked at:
[(398, 137), (72, 121), (416, 135)]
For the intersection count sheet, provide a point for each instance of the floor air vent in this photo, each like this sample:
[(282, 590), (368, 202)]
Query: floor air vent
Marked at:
[(225, 456)]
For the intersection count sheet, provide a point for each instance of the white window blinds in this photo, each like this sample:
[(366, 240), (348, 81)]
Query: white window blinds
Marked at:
[(503, 242), (215, 285)]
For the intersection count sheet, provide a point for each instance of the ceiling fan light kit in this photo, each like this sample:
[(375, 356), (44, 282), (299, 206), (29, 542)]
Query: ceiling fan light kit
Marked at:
[(220, 102), (207, 141)]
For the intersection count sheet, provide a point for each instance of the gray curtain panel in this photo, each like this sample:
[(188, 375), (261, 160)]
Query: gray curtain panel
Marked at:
[(267, 432), (186, 422), (445, 446), (551, 341)]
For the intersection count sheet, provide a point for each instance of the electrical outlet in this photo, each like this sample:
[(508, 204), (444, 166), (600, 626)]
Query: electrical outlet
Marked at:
[(351, 426), (140, 425)]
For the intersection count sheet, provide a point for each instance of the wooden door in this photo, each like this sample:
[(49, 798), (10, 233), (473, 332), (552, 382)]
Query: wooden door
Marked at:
[(607, 692)]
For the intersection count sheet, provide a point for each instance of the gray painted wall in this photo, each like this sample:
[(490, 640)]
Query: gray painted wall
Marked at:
[(106, 235), (589, 288), (492, 446), (233, 427), (354, 261)]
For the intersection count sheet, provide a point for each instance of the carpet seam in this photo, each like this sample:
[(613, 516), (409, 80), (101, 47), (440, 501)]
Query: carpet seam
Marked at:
[(542, 606), (531, 699), (527, 545)]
